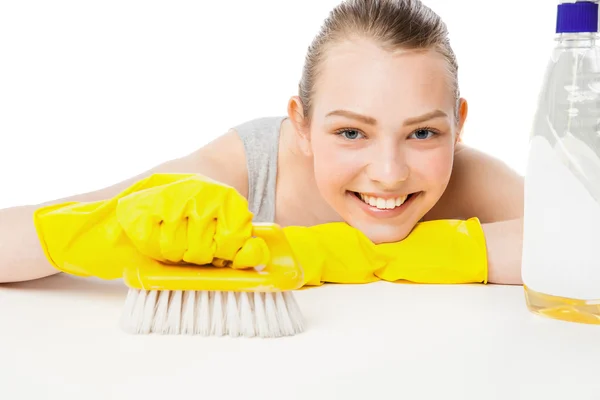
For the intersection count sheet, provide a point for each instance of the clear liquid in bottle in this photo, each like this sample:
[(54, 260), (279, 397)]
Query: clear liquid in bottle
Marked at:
[(561, 242)]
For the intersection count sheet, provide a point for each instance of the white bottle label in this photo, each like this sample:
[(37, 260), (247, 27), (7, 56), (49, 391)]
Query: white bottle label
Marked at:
[(561, 242)]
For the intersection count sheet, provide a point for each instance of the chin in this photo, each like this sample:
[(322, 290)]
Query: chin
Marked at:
[(384, 226), (379, 233)]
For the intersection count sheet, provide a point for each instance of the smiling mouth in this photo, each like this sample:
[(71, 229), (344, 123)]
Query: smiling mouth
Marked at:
[(383, 204)]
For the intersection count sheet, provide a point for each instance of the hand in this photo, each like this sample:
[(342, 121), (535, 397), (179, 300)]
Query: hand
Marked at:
[(166, 218), (192, 219), (335, 253), (443, 251)]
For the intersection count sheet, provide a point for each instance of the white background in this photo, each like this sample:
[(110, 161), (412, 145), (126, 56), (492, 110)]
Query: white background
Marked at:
[(92, 93)]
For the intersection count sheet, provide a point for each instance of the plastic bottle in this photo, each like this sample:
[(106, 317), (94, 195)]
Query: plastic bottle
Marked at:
[(561, 243)]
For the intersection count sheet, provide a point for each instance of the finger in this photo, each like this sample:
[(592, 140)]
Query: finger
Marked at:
[(172, 239), (201, 247), (253, 253), (201, 226), (234, 225)]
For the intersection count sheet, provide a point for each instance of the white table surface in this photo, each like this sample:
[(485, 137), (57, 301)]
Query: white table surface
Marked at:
[(60, 340)]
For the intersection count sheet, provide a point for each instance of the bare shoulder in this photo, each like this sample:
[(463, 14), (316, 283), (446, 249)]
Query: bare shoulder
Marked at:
[(223, 159), (480, 186)]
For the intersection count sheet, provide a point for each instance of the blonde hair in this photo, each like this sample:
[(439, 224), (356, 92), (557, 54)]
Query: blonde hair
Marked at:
[(393, 24)]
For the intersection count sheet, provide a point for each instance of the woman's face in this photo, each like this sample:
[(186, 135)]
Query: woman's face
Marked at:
[(382, 136)]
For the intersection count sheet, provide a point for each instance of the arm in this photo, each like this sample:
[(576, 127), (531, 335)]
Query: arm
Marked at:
[(21, 256), (484, 187), (504, 242)]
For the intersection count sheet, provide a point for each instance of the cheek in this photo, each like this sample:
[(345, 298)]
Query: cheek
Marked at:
[(334, 167), (433, 167)]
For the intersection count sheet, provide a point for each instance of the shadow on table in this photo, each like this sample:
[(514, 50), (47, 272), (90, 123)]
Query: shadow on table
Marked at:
[(65, 283)]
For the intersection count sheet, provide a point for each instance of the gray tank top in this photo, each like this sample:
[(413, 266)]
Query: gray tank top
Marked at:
[(261, 145)]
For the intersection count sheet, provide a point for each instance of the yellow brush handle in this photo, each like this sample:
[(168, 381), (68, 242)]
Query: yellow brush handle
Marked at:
[(282, 272)]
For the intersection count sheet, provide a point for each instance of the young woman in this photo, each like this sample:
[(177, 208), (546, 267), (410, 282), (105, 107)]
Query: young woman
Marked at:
[(372, 139)]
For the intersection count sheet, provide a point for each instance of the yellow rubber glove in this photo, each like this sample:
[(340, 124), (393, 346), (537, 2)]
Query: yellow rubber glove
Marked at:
[(443, 251), (188, 218), (165, 218), (334, 253)]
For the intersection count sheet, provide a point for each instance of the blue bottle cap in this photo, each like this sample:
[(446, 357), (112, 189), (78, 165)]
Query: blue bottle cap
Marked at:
[(578, 17)]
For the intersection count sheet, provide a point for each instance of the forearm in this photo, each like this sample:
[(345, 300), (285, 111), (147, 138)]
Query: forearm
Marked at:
[(504, 248), (21, 255)]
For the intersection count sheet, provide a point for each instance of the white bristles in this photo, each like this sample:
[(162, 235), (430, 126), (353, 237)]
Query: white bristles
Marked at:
[(157, 315), (247, 315), (173, 322), (212, 313), (262, 325), (203, 314), (149, 302), (132, 296), (142, 308), (271, 312), (218, 317), (232, 320), (292, 310), (188, 317), (285, 323)]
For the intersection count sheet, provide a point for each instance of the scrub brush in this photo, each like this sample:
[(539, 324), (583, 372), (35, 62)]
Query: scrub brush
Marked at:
[(216, 300)]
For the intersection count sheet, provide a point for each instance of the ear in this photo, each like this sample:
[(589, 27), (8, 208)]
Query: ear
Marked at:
[(301, 126), (463, 110)]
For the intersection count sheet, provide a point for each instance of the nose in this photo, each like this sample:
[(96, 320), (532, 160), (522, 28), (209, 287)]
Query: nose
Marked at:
[(388, 167)]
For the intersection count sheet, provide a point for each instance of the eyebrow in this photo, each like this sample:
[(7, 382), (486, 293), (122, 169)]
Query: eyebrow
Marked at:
[(372, 121)]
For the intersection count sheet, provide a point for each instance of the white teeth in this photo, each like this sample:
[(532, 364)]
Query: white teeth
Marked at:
[(383, 204)]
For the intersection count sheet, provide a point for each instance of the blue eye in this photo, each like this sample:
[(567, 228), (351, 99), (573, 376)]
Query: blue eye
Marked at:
[(350, 134), (422, 134)]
